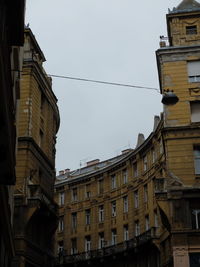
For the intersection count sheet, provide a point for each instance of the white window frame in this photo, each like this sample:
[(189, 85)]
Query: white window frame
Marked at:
[(114, 237), (61, 198), (125, 176), (125, 204), (197, 160), (88, 216), (114, 208), (74, 220), (147, 223), (126, 233), (88, 243), (195, 111), (136, 199), (101, 213), (113, 182), (74, 194), (101, 240), (61, 224), (137, 228), (193, 71)]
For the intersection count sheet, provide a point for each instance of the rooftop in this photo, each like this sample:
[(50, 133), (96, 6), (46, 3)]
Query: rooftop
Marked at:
[(186, 6)]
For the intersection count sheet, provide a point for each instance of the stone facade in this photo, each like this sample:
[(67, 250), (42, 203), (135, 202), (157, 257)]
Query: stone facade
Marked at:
[(11, 42), (35, 217), (142, 207)]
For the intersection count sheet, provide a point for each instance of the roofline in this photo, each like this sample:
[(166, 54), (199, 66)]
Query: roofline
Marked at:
[(112, 165)]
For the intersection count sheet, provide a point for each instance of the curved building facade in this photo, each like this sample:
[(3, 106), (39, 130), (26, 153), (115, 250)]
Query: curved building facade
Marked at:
[(142, 207)]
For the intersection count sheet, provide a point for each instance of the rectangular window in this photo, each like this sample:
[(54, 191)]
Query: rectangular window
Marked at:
[(125, 203), (101, 240), (126, 233), (74, 246), (197, 159), (87, 217), (125, 176), (155, 218), (61, 224), (100, 186), (195, 219), (87, 191), (114, 237), (190, 30), (113, 182), (145, 193), (145, 162), (87, 243), (135, 170), (153, 155), (60, 247), (113, 208), (194, 259), (137, 228), (195, 111), (74, 194), (147, 223), (74, 220), (161, 146), (136, 200), (193, 71), (101, 213), (61, 198)]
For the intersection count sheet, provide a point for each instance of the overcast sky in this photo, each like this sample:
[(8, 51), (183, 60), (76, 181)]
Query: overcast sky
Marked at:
[(109, 40)]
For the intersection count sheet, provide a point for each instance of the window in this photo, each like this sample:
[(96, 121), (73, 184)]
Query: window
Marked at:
[(191, 30), (87, 217), (135, 170), (87, 191), (145, 162), (61, 224), (101, 240), (74, 194), (74, 246), (195, 219), (41, 138), (195, 111), (147, 223), (145, 193), (161, 146), (87, 243), (193, 71), (113, 182), (113, 208), (194, 259), (125, 202), (125, 176), (197, 159), (101, 213), (74, 220), (61, 198), (60, 247), (100, 186), (153, 155), (126, 234), (136, 200), (155, 218), (137, 228), (114, 237)]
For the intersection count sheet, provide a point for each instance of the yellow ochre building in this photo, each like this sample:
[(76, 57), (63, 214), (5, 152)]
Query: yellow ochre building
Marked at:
[(142, 208)]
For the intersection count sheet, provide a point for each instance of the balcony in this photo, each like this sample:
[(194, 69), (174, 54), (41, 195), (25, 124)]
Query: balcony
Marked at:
[(110, 251)]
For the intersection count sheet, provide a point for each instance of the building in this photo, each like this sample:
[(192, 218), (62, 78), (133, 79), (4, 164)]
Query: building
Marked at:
[(11, 42), (35, 218), (142, 208)]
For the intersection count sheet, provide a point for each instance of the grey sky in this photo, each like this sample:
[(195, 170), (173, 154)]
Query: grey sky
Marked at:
[(112, 40)]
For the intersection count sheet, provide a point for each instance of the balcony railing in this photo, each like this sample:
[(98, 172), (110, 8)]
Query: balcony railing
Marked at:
[(131, 244)]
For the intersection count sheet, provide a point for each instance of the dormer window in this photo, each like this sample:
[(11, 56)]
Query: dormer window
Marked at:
[(191, 30)]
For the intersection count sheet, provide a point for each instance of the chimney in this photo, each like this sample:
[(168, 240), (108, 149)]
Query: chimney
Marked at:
[(126, 151), (61, 173), (93, 162), (141, 139)]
